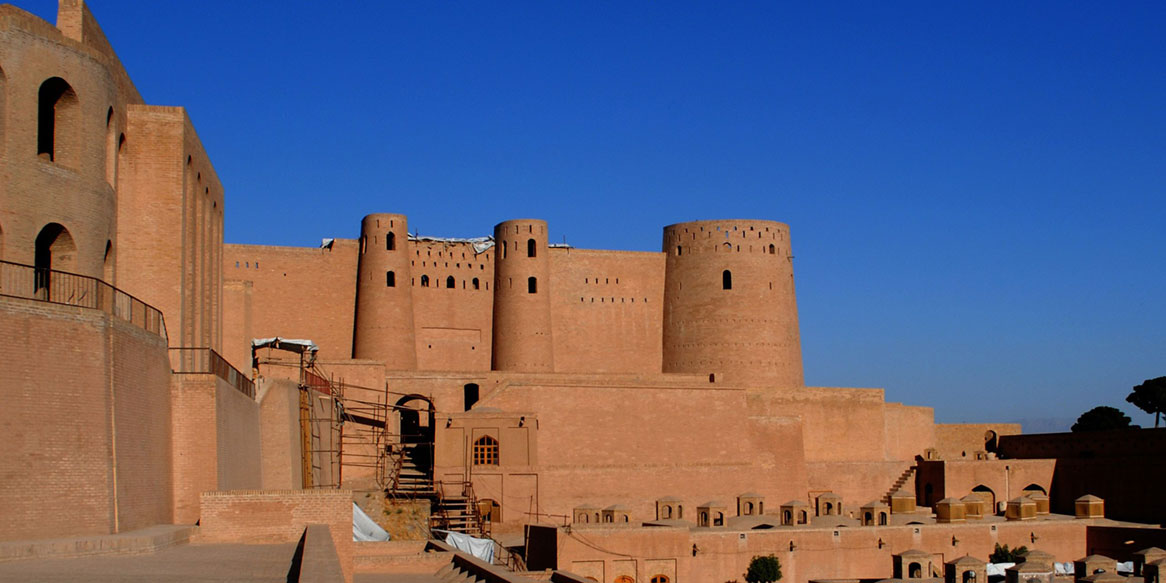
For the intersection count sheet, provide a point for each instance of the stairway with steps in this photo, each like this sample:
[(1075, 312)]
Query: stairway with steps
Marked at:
[(903, 479), (413, 477), (457, 513), (453, 573)]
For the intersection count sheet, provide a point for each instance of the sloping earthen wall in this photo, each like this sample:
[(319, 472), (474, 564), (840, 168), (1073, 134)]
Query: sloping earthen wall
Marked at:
[(85, 394), (224, 459)]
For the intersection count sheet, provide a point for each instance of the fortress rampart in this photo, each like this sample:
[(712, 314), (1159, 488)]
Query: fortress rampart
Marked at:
[(718, 301)]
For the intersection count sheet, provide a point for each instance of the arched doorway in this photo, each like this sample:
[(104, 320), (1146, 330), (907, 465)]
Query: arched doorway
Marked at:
[(415, 414), (989, 497), (1035, 489), (470, 393), (990, 441), (55, 250)]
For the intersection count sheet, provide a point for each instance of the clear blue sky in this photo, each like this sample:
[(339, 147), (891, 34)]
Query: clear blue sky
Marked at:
[(975, 190)]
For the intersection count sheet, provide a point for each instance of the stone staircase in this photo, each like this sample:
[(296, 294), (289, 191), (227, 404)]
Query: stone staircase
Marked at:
[(454, 573), (410, 477), (906, 476)]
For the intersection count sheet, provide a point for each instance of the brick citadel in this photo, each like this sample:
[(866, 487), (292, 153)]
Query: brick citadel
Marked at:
[(606, 415)]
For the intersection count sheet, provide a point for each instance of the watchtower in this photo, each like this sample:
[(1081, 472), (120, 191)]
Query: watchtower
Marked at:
[(384, 294), (729, 304), (522, 299)]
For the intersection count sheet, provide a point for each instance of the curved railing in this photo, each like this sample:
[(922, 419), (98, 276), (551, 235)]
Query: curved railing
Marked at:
[(18, 280)]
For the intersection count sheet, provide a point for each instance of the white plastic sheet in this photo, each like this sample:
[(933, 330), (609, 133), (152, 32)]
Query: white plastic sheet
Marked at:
[(363, 527), (481, 548), (998, 568)]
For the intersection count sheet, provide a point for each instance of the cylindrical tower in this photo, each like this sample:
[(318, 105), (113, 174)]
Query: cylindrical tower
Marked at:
[(522, 300), (729, 303), (384, 296)]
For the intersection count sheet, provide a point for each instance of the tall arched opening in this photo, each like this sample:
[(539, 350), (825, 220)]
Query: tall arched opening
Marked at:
[(55, 250), (58, 122), (415, 415)]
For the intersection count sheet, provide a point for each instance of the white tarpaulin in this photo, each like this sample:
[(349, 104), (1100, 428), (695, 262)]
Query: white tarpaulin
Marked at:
[(480, 243), (302, 345), (481, 548), (998, 568), (363, 527)]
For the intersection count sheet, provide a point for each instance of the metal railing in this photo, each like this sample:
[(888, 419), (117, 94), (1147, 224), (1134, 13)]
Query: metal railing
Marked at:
[(207, 361), (18, 280)]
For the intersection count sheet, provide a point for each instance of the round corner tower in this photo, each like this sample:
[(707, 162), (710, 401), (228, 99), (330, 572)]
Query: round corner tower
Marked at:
[(729, 302), (522, 300), (384, 295)]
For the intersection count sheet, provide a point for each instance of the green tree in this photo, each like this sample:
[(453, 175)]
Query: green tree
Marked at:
[(765, 569), (1003, 555), (1102, 418), (1150, 397)]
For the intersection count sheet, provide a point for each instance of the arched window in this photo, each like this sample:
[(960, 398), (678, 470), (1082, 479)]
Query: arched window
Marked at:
[(969, 577), (3, 94), (476, 284), (625, 579), (58, 122), (915, 571), (110, 148), (449, 283), (868, 518), (679, 250), (608, 518), (748, 508), (107, 263), (390, 241), (882, 519), (665, 511), (390, 279), (727, 279), (424, 281), (660, 579), (485, 451), (787, 517), (772, 249), (530, 248), (531, 285)]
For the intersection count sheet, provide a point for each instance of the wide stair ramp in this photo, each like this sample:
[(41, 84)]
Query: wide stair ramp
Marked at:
[(906, 476)]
